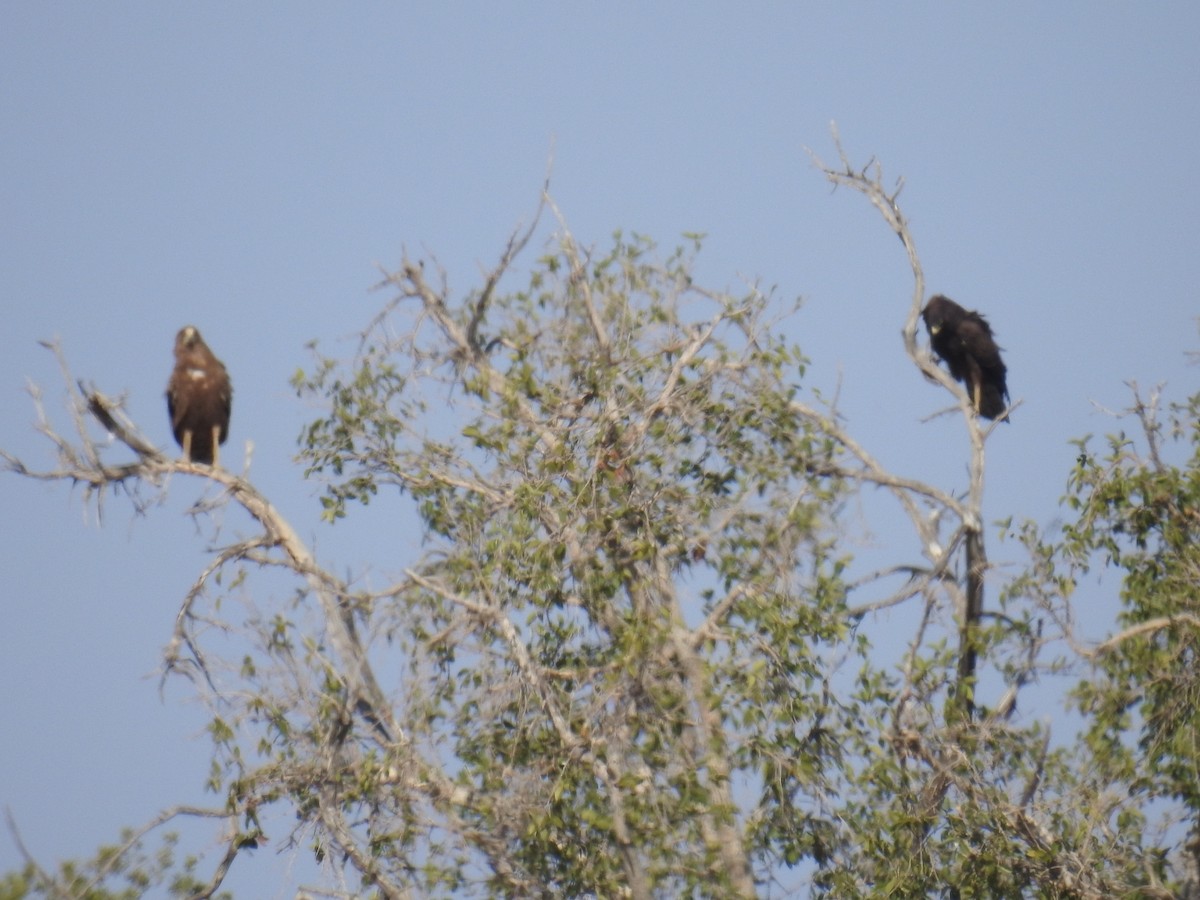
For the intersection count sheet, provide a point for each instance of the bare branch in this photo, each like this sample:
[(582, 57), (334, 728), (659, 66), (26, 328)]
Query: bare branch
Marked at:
[(710, 627), (919, 582), (114, 420), (113, 859), (277, 532), (1141, 628), (517, 242), (41, 873), (236, 842), (873, 473), (868, 181), (411, 282), (579, 280), (182, 635), (332, 818)]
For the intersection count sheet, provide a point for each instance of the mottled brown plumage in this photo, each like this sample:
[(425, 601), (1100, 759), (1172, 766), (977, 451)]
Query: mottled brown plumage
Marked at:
[(199, 398), (963, 338)]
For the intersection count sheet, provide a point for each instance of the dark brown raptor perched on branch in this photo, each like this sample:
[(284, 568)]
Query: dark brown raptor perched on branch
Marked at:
[(963, 339), (199, 398)]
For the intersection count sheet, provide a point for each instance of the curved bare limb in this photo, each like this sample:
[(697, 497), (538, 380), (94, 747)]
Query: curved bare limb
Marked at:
[(868, 180)]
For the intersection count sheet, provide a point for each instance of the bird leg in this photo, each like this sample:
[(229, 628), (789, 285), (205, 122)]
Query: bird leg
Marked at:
[(186, 443), (978, 395), (216, 444)]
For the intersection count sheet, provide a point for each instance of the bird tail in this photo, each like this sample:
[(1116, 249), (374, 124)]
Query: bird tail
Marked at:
[(991, 401)]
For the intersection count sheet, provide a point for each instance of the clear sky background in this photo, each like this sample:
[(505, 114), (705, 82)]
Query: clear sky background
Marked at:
[(249, 167)]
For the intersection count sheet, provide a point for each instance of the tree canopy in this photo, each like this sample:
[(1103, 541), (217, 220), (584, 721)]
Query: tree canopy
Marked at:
[(635, 655)]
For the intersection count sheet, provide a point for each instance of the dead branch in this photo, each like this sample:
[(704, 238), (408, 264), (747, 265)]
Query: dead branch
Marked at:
[(868, 181)]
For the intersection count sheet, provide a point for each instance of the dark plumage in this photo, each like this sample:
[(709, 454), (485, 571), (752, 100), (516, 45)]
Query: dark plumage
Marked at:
[(199, 398), (963, 339)]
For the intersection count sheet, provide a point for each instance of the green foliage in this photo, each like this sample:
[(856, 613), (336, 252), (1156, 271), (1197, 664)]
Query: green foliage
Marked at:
[(634, 656), (622, 463), (127, 871), (1141, 514), (1131, 785)]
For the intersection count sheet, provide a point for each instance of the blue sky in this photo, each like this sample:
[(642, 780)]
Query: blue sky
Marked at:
[(249, 167)]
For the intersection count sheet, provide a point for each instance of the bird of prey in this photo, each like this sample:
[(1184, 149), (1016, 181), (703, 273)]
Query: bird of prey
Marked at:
[(963, 339), (199, 398)]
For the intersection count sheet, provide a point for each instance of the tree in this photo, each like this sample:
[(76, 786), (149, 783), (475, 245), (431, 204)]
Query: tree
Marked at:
[(1136, 511), (636, 657), (122, 871)]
